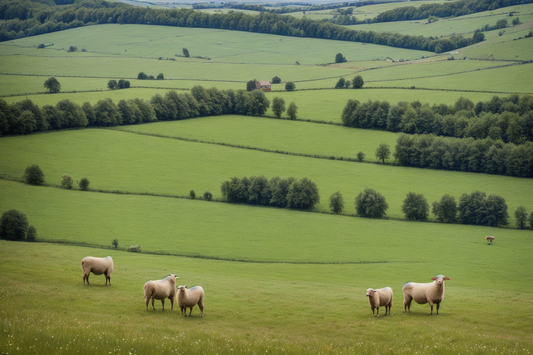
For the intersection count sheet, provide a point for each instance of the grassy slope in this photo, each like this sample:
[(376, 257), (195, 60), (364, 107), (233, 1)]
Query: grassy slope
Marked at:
[(113, 160)]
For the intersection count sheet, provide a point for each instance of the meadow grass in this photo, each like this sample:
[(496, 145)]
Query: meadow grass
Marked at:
[(128, 162)]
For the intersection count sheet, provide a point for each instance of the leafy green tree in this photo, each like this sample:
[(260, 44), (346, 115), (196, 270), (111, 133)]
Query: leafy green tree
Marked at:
[(383, 152), (112, 84), (340, 83), (256, 103), (66, 181), (371, 203), (445, 210), (72, 49), (339, 58), (13, 225), (142, 76), (336, 202), (126, 84), (360, 156), (303, 194), (250, 85), (185, 52), (192, 194), (259, 192), (52, 84), (115, 243), (531, 220), (292, 110), (415, 207), (278, 106), (290, 86), (34, 175), (479, 210), (521, 217), (107, 113), (208, 196), (347, 84), (160, 76), (279, 188), (276, 80), (358, 82), (84, 184), (32, 234), (72, 115)]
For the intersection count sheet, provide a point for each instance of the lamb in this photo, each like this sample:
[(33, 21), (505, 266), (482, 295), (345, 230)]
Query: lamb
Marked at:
[(161, 289), (190, 298), (380, 297), (97, 266), (490, 238), (135, 248), (432, 292)]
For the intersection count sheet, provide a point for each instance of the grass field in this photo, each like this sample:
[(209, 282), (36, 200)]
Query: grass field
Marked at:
[(276, 280)]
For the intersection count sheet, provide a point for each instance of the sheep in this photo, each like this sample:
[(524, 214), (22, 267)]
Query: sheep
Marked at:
[(161, 289), (135, 248), (97, 266), (432, 292), (380, 297), (190, 298), (490, 238)]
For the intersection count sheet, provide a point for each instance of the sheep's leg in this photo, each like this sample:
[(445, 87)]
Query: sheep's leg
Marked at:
[(163, 304), (438, 306), (190, 312), (153, 300), (431, 304), (171, 303), (377, 315), (201, 305)]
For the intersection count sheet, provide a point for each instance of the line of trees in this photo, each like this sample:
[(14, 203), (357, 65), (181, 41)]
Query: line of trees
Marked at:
[(26, 117), (25, 18), (446, 9), (278, 192)]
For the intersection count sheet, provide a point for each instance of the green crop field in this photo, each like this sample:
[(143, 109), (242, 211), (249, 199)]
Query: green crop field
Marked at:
[(276, 281)]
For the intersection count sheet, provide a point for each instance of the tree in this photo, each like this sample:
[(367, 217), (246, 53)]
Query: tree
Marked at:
[(371, 203), (32, 234), (126, 84), (34, 175), (521, 217), (115, 243), (84, 184), (289, 86), (303, 194), (142, 76), (358, 82), (13, 225), (347, 84), (339, 58), (446, 210), (278, 106), (276, 80), (531, 220), (72, 49), (250, 85), (66, 181), (383, 152), (292, 110), (336, 202), (160, 76), (340, 83), (415, 207), (185, 52), (112, 84), (52, 84), (360, 156), (192, 194), (208, 196)]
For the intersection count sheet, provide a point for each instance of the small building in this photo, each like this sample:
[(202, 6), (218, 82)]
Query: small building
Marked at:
[(263, 85)]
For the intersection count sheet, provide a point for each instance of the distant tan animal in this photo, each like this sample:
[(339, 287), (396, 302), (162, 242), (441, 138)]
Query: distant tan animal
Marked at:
[(135, 248), (190, 298), (432, 293), (380, 297), (490, 238), (97, 266), (160, 290)]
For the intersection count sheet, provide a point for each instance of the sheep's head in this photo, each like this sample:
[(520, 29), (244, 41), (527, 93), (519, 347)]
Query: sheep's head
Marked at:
[(370, 292), (182, 288), (440, 279)]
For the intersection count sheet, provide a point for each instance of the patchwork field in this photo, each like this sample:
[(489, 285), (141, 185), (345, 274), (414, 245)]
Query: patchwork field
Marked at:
[(276, 280)]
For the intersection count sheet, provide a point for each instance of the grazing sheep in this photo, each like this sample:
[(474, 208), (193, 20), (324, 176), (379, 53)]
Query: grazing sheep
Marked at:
[(432, 292), (161, 289), (380, 297), (97, 266), (490, 238), (190, 298), (135, 248)]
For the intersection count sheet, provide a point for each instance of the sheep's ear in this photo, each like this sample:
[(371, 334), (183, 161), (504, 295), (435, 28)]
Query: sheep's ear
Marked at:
[(446, 278), (433, 278)]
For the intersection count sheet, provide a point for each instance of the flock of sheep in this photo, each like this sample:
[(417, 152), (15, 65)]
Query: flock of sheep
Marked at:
[(154, 290), (432, 293)]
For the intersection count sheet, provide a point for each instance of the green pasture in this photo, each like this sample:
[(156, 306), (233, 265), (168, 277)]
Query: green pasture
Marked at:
[(119, 161), (512, 49), (513, 79)]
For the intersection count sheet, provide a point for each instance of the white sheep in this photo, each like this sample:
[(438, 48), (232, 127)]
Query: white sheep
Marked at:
[(432, 292), (490, 238), (97, 266), (380, 297), (161, 289), (190, 298), (135, 248)]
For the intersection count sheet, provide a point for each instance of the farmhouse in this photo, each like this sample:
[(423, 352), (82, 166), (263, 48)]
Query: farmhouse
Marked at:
[(263, 85)]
